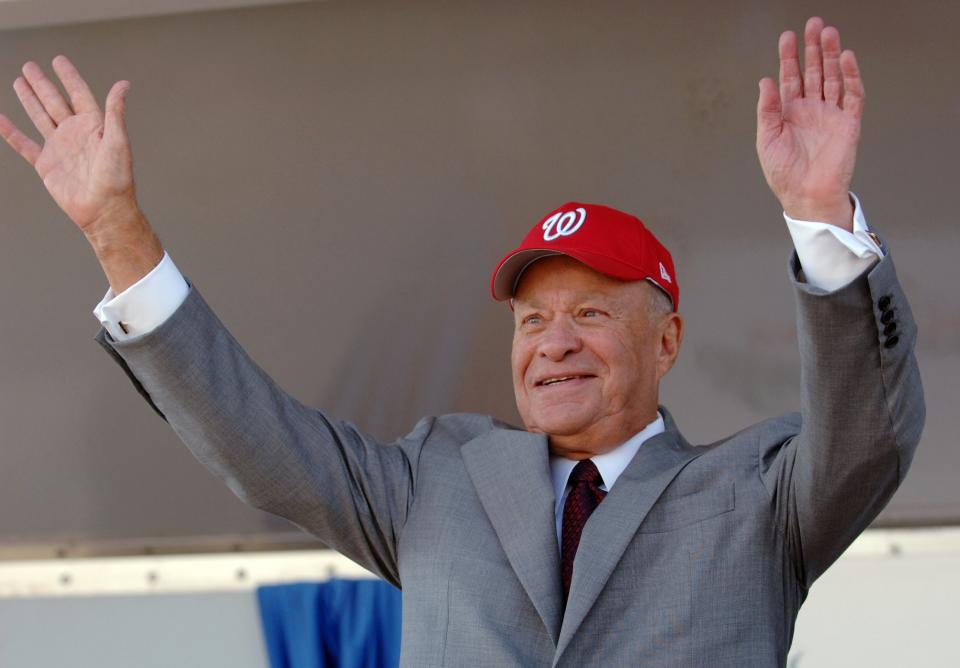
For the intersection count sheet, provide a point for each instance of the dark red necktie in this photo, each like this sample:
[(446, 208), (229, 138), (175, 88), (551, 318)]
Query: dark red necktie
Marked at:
[(584, 496)]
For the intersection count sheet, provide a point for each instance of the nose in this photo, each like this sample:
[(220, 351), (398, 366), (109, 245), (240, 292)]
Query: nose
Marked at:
[(559, 340)]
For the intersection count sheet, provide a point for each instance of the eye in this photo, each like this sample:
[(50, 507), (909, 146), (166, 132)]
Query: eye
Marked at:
[(590, 313), (532, 319)]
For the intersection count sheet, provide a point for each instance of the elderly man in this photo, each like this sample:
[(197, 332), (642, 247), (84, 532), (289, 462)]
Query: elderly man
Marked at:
[(597, 534)]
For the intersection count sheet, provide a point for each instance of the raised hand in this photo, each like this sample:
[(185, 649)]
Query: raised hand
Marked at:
[(86, 166), (808, 130)]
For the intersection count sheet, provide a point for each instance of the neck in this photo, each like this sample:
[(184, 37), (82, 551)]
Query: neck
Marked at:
[(593, 442)]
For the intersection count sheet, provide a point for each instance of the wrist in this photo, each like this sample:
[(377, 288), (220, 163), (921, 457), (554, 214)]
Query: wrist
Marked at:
[(126, 247), (839, 213), (115, 225)]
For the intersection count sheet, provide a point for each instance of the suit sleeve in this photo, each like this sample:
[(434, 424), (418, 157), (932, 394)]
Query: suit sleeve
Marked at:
[(272, 451), (862, 413)]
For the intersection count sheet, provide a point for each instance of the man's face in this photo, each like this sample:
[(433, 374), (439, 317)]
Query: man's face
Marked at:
[(588, 355)]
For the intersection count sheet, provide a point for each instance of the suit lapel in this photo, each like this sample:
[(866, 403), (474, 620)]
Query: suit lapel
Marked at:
[(511, 472), (614, 523)]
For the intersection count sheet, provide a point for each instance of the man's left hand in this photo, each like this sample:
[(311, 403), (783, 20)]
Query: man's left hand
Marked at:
[(808, 131)]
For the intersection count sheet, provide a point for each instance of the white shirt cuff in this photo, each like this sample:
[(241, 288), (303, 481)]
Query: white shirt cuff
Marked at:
[(831, 256), (144, 305)]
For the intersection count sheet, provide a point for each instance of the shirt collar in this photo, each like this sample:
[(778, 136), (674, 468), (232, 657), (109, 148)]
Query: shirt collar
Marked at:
[(610, 464)]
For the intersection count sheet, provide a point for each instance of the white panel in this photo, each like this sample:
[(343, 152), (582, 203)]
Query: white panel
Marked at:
[(220, 630), (883, 611)]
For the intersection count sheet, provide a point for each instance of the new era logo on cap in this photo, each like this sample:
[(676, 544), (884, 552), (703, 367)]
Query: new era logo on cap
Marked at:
[(612, 242), (664, 275)]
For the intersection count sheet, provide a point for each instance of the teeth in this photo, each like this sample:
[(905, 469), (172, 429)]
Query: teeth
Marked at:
[(559, 380)]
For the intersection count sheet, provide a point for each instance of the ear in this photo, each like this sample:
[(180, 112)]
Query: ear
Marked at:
[(671, 336)]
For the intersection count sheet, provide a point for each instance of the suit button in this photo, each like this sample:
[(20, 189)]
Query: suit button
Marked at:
[(884, 302), (886, 317), (891, 342), (890, 329)]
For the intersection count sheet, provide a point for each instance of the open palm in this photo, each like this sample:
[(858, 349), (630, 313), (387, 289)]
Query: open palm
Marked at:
[(85, 161), (808, 130)]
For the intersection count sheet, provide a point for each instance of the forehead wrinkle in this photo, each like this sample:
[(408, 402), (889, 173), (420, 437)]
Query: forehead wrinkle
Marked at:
[(560, 279), (572, 295)]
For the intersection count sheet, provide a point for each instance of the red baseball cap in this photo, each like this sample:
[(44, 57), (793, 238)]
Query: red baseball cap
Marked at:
[(609, 241)]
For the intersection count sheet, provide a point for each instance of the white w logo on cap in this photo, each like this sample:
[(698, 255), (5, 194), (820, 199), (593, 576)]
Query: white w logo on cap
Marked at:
[(563, 223)]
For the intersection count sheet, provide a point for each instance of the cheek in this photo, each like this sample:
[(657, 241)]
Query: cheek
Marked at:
[(630, 362), (519, 361), (519, 390)]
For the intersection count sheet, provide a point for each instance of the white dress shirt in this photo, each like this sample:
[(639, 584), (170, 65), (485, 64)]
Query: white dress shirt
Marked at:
[(830, 256), (610, 464)]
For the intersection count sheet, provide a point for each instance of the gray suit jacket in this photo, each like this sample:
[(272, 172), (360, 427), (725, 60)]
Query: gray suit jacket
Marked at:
[(699, 555)]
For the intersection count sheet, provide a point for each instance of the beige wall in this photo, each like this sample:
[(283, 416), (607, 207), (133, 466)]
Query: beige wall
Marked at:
[(338, 179)]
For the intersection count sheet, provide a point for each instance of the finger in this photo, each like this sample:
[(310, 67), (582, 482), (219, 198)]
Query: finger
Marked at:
[(115, 120), (832, 81), (812, 58), (41, 119), (769, 112), (49, 95), (81, 97), (791, 85), (853, 92), (20, 142)]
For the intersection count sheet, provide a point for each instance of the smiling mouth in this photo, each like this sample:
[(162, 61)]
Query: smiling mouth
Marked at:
[(562, 379)]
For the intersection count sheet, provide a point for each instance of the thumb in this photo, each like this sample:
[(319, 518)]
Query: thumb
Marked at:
[(115, 115), (769, 112)]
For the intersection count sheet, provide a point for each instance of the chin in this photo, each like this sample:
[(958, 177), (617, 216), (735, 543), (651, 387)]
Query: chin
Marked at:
[(560, 425)]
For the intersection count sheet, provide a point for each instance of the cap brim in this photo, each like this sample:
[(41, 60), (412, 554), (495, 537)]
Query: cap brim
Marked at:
[(507, 275)]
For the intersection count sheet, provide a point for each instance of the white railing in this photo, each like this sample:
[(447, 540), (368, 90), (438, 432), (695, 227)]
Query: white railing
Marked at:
[(170, 573), (238, 571)]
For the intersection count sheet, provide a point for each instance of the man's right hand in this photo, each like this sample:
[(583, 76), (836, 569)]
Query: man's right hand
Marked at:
[(87, 167)]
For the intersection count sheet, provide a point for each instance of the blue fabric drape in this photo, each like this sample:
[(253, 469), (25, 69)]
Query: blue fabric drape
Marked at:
[(338, 623)]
